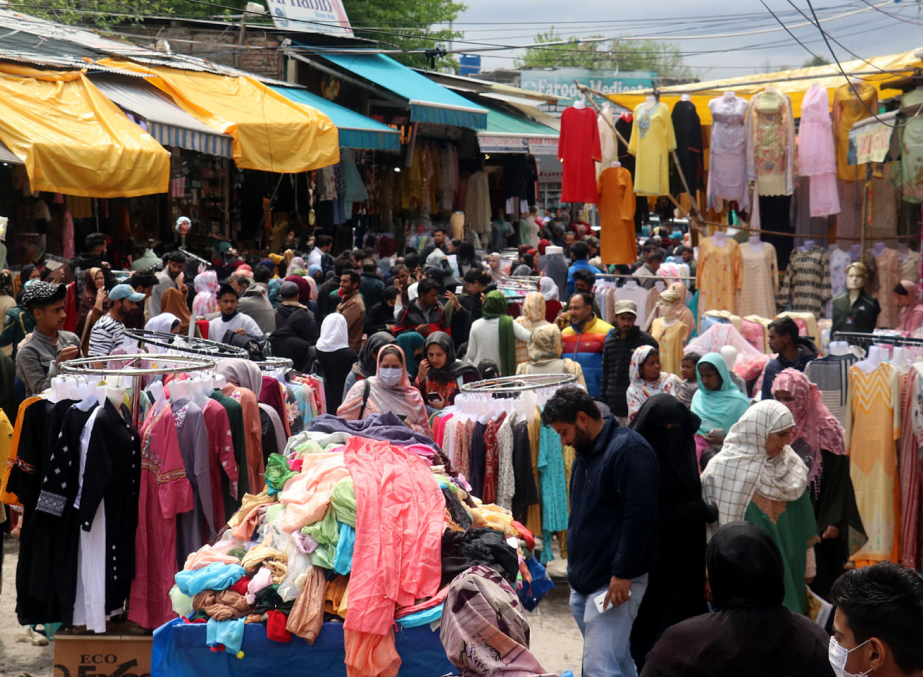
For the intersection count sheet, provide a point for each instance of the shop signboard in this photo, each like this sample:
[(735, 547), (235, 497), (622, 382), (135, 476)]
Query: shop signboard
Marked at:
[(503, 144), (559, 82), (311, 16)]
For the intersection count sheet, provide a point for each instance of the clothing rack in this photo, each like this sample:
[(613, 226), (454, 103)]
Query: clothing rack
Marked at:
[(663, 278), (861, 337), (517, 384), (86, 366), (193, 346), (274, 363)]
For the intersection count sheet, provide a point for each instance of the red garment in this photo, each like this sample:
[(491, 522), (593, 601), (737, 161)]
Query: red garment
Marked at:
[(400, 515), (492, 461), (578, 149), (240, 587), (552, 308), (525, 535), (165, 493), (275, 626), (70, 305), (220, 457), (203, 327), (271, 394)]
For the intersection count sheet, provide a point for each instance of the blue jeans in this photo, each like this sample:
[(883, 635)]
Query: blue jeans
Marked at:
[(606, 649)]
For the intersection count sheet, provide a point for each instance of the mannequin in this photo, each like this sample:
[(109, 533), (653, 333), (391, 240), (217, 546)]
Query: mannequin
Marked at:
[(900, 359), (756, 244), (807, 246), (854, 252), (838, 348), (580, 103), (685, 97), (650, 102), (670, 333), (729, 355), (878, 249), (729, 96), (720, 238), (872, 362), (855, 310)]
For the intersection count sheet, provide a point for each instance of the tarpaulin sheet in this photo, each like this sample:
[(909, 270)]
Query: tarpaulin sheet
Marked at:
[(73, 140), (270, 133), (180, 651), (795, 83)]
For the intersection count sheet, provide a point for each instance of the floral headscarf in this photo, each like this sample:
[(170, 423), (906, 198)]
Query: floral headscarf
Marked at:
[(640, 390), (545, 344), (206, 286), (297, 263), (273, 289)]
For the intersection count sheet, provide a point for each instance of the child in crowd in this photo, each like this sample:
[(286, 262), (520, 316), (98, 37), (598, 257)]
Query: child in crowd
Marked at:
[(690, 383)]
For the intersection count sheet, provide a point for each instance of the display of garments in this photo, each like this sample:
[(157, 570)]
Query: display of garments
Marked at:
[(839, 261), (886, 269), (477, 204), (617, 217), (848, 109), (807, 281), (671, 340), (578, 148), (910, 265), (911, 467), (771, 143), (718, 275), (859, 315), (688, 130), (195, 527), (847, 221), (652, 139), (760, 271), (816, 152), (875, 425), (831, 376), (608, 144), (727, 167), (911, 164)]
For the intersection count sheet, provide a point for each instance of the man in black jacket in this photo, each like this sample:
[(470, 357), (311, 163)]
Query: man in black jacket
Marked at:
[(792, 351), (617, 352), (612, 530)]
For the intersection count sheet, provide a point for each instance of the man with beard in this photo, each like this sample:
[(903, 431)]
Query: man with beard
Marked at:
[(612, 529), (166, 279), (230, 319)]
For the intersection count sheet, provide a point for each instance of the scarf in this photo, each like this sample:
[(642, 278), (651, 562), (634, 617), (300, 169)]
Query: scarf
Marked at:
[(533, 311), (484, 630), (410, 342), (334, 333), (545, 344), (640, 390), (163, 322), (743, 468), (719, 408), (304, 289), (815, 427), (368, 353), (549, 289), (495, 307), (272, 291), (242, 373), (453, 369)]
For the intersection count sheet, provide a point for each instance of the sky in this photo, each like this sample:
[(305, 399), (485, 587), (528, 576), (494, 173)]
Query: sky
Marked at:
[(865, 31)]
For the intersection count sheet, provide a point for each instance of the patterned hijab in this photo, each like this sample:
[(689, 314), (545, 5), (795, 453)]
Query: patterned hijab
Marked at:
[(743, 468), (545, 344), (638, 358), (533, 311), (815, 427), (484, 631)]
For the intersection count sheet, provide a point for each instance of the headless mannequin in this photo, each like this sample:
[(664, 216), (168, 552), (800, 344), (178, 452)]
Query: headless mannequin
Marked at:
[(685, 97), (878, 249), (580, 103), (720, 238), (650, 102), (729, 96), (615, 164), (873, 361), (729, 355), (807, 246), (756, 244), (902, 251), (178, 390), (854, 252), (900, 359), (838, 348)]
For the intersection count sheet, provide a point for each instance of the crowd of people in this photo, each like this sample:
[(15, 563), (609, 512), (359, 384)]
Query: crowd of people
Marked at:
[(684, 496)]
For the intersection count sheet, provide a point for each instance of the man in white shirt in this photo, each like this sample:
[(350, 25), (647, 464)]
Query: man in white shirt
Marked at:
[(230, 319)]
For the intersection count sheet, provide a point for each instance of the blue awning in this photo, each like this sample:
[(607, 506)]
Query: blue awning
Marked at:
[(166, 122), (356, 131), (428, 101)]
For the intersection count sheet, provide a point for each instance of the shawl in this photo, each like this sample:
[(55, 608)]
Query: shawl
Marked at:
[(174, 301), (718, 408), (312, 284), (484, 630), (533, 311), (495, 306), (273, 288), (304, 289), (368, 353), (640, 390), (334, 333), (453, 369), (912, 315), (242, 373), (549, 289), (545, 344), (206, 286), (814, 424), (743, 468), (402, 399)]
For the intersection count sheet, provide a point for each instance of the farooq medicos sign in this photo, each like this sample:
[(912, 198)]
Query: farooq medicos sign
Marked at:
[(559, 82)]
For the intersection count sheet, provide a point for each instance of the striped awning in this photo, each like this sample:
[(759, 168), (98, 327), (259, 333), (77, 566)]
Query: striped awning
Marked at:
[(166, 122)]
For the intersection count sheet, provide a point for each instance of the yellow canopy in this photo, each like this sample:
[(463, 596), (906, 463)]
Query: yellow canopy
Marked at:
[(269, 132), (73, 140), (795, 83)]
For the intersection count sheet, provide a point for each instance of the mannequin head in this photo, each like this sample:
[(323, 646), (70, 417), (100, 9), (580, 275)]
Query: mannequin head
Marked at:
[(669, 304), (856, 274), (729, 354)]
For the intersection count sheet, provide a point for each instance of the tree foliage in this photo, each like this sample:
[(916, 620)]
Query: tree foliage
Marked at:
[(97, 13), (664, 58), (816, 61)]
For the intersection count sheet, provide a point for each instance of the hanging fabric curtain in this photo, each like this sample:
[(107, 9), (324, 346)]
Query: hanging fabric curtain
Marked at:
[(73, 140), (270, 133)]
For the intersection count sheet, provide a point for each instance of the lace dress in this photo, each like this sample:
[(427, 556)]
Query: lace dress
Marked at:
[(727, 171)]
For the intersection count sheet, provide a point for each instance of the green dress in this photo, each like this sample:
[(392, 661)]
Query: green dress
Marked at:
[(792, 526)]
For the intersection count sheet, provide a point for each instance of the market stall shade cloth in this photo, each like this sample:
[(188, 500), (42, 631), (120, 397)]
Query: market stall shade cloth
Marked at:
[(515, 131), (269, 132), (356, 131), (166, 122), (73, 140), (8, 156), (428, 101), (875, 71)]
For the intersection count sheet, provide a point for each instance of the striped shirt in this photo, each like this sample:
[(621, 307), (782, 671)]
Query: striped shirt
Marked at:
[(107, 335)]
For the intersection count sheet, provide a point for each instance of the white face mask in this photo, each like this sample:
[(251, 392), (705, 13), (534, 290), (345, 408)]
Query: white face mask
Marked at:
[(837, 655), (390, 376)]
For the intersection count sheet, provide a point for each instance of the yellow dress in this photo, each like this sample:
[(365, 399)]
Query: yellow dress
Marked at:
[(876, 425), (652, 139), (847, 111), (671, 341), (718, 276)]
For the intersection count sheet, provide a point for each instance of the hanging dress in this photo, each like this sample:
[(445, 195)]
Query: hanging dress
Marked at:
[(760, 272), (816, 152), (727, 168), (652, 139), (671, 340), (718, 276)]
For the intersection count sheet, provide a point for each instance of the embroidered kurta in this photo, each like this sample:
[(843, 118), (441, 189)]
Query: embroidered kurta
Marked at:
[(671, 340), (757, 295), (578, 148), (618, 243), (727, 166), (912, 151), (807, 281), (718, 276), (165, 493), (875, 426), (771, 143), (652, 139)]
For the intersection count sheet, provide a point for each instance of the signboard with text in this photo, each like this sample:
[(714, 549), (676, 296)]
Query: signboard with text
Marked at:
[(560, 82), (311, 16)]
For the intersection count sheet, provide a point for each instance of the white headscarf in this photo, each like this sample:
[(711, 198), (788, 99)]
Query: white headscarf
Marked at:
[(163, 322), (549, 289), (334, 333), (743, 468)]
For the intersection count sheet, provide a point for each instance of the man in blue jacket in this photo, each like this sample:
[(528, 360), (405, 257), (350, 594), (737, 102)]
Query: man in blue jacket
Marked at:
[(612, 530), (578, 254)]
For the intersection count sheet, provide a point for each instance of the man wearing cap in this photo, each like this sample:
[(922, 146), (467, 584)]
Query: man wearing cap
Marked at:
[(620, 345), (109, 333), (48, 345)]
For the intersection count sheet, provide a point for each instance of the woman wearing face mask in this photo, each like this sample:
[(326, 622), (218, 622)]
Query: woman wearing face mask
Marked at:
[(757, 477), (389, 390), (718, 402), (367, 363), (441, 375), (820, 441), (648, 379)]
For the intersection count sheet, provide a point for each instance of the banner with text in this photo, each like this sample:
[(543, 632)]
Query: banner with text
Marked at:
[(311, 16), (560, 82)]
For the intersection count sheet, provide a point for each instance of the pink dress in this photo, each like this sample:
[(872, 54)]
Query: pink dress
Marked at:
[(165, 493), (816, 152)]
